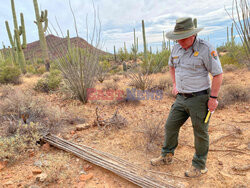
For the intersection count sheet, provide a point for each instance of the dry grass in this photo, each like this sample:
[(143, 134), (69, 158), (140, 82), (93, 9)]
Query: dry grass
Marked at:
[(18, 106), (153, 133), (109, 85), (230, 68), (230, 94)]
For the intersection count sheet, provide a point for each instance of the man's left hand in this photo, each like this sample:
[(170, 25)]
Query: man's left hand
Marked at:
[(212, 104)]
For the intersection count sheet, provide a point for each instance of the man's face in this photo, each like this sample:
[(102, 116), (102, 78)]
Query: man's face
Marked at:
[(187, 42)]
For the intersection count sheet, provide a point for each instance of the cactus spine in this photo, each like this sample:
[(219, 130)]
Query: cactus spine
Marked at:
[(16, 43), (144, 42), (40, 19)]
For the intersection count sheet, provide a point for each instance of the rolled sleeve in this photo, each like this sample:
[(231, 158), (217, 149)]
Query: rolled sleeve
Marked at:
[(212, 62)]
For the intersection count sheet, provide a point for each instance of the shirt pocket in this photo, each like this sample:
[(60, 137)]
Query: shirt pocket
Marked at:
[(176, 60), (198, 65)]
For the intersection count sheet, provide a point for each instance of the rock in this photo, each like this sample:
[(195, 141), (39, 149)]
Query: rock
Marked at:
[(87, 167), (41, 177), (81, 127), (34, 186), (37, 171), (38, 163), (46, 147), (72, 132), (81, 185), (3, 164), (8, 183), (82, 172), (87, 177)]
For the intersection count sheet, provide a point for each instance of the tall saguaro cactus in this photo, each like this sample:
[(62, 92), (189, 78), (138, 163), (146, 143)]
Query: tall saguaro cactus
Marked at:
[(135, 47), (144, 42), (232, 35), (115, 57), (163, 42), (40, 19), (15, 41), (195, 22)]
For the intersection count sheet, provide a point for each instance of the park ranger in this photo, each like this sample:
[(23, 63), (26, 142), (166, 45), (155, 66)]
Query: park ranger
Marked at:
[(190, 62)]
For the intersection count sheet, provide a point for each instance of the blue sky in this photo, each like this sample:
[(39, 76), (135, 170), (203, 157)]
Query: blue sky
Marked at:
[(120, 17)]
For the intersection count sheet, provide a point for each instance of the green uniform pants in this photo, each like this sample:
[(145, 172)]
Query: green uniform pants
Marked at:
[(196, 108)]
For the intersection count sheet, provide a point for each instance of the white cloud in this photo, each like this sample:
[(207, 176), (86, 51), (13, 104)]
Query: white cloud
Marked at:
[(120, 17)]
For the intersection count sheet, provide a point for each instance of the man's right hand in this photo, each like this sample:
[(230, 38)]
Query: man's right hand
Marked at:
[(174, 91)]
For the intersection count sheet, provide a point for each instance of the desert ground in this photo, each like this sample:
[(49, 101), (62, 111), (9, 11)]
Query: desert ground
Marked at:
[(228, 159)]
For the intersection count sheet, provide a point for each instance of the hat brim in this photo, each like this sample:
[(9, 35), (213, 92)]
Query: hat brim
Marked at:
[(178, 36)]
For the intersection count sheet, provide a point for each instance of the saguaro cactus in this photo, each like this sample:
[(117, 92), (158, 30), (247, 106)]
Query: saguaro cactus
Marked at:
[(195, 22), (227, 35), (144, 42), (16, 42), (163, 42), (40, 19), (115, 57), (232, 35), (135, 47)]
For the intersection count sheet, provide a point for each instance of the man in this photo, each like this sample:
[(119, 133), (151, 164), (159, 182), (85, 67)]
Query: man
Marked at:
[(191, 61)]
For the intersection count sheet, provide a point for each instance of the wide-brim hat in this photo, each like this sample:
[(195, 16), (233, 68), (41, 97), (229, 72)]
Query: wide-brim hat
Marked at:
[(184, 28)]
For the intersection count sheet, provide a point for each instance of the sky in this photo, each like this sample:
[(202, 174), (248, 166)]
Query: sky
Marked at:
[(118, 18)]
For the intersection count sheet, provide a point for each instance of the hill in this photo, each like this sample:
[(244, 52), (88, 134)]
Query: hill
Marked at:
[(56, 46)]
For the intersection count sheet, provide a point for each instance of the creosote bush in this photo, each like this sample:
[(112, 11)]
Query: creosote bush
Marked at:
[(230, 94), (49, 82), (10, 74)]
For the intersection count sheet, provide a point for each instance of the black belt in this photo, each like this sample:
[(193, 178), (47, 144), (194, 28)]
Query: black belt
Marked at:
[(189, 95)]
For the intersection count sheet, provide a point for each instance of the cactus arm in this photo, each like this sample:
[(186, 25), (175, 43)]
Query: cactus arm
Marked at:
[(24, 45), (9, 34)]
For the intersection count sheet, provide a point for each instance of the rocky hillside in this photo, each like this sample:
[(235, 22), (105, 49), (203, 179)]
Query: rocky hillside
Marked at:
[(56, 46)]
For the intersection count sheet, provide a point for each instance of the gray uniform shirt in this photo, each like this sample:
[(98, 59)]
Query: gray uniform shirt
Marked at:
[(192, 66)]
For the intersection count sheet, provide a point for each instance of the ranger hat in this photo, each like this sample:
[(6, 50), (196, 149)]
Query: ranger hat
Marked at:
[(184, 28)]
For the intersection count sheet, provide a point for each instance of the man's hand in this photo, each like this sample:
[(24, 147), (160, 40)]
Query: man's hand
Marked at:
[(212, 104), (174, 91)]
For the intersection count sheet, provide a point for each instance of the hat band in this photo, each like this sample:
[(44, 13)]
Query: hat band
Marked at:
[(180, 32)]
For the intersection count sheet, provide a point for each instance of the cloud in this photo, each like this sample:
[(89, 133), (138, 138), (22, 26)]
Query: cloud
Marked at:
[(119, 18)]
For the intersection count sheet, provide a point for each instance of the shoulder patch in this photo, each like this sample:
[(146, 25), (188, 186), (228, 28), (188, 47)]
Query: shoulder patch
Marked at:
[(214, 54)]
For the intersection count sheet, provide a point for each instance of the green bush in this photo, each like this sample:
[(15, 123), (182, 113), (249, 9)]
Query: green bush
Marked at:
[(10, 74), (12, 147), (50, 82)]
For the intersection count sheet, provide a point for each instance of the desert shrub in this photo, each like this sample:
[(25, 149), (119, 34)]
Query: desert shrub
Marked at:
[(30, 69), (10, 74), (231, 94), (18, 106), (140, 81), (163, 83), (12, 147), (230, 67), (57, 167), (227, 80), (116, 78), (110, 85), (49, 82), (228, 59), (41, 69), (156, 62), (102, 70), (153, 133)]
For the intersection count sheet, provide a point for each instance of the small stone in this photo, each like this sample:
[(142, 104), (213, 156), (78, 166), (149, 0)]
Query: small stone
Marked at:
[(220, 163), (87, 167), (38, 163), (77, 160), (72, 132), (37, 171), (41, 177), (81, 127), (81, 185), (82, 172), (8, 183), (3, 164), (46, 147), (34, 186), (87, 177)]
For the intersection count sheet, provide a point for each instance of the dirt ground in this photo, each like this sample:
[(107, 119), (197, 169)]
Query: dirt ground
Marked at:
[(229, 143)]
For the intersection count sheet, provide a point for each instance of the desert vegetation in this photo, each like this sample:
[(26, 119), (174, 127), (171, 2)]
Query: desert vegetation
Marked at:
[(116, 102)]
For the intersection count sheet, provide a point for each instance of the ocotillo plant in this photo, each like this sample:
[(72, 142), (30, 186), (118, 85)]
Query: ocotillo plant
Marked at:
[(69, 43), (144, 42), (16, 42), (163, 42), (40, 19), (115, 57), (135, 47)]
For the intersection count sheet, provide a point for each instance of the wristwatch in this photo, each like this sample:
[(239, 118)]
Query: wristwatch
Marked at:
[(214, 97)]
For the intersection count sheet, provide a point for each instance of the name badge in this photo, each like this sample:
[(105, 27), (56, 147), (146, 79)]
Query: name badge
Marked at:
[(196, 54)]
